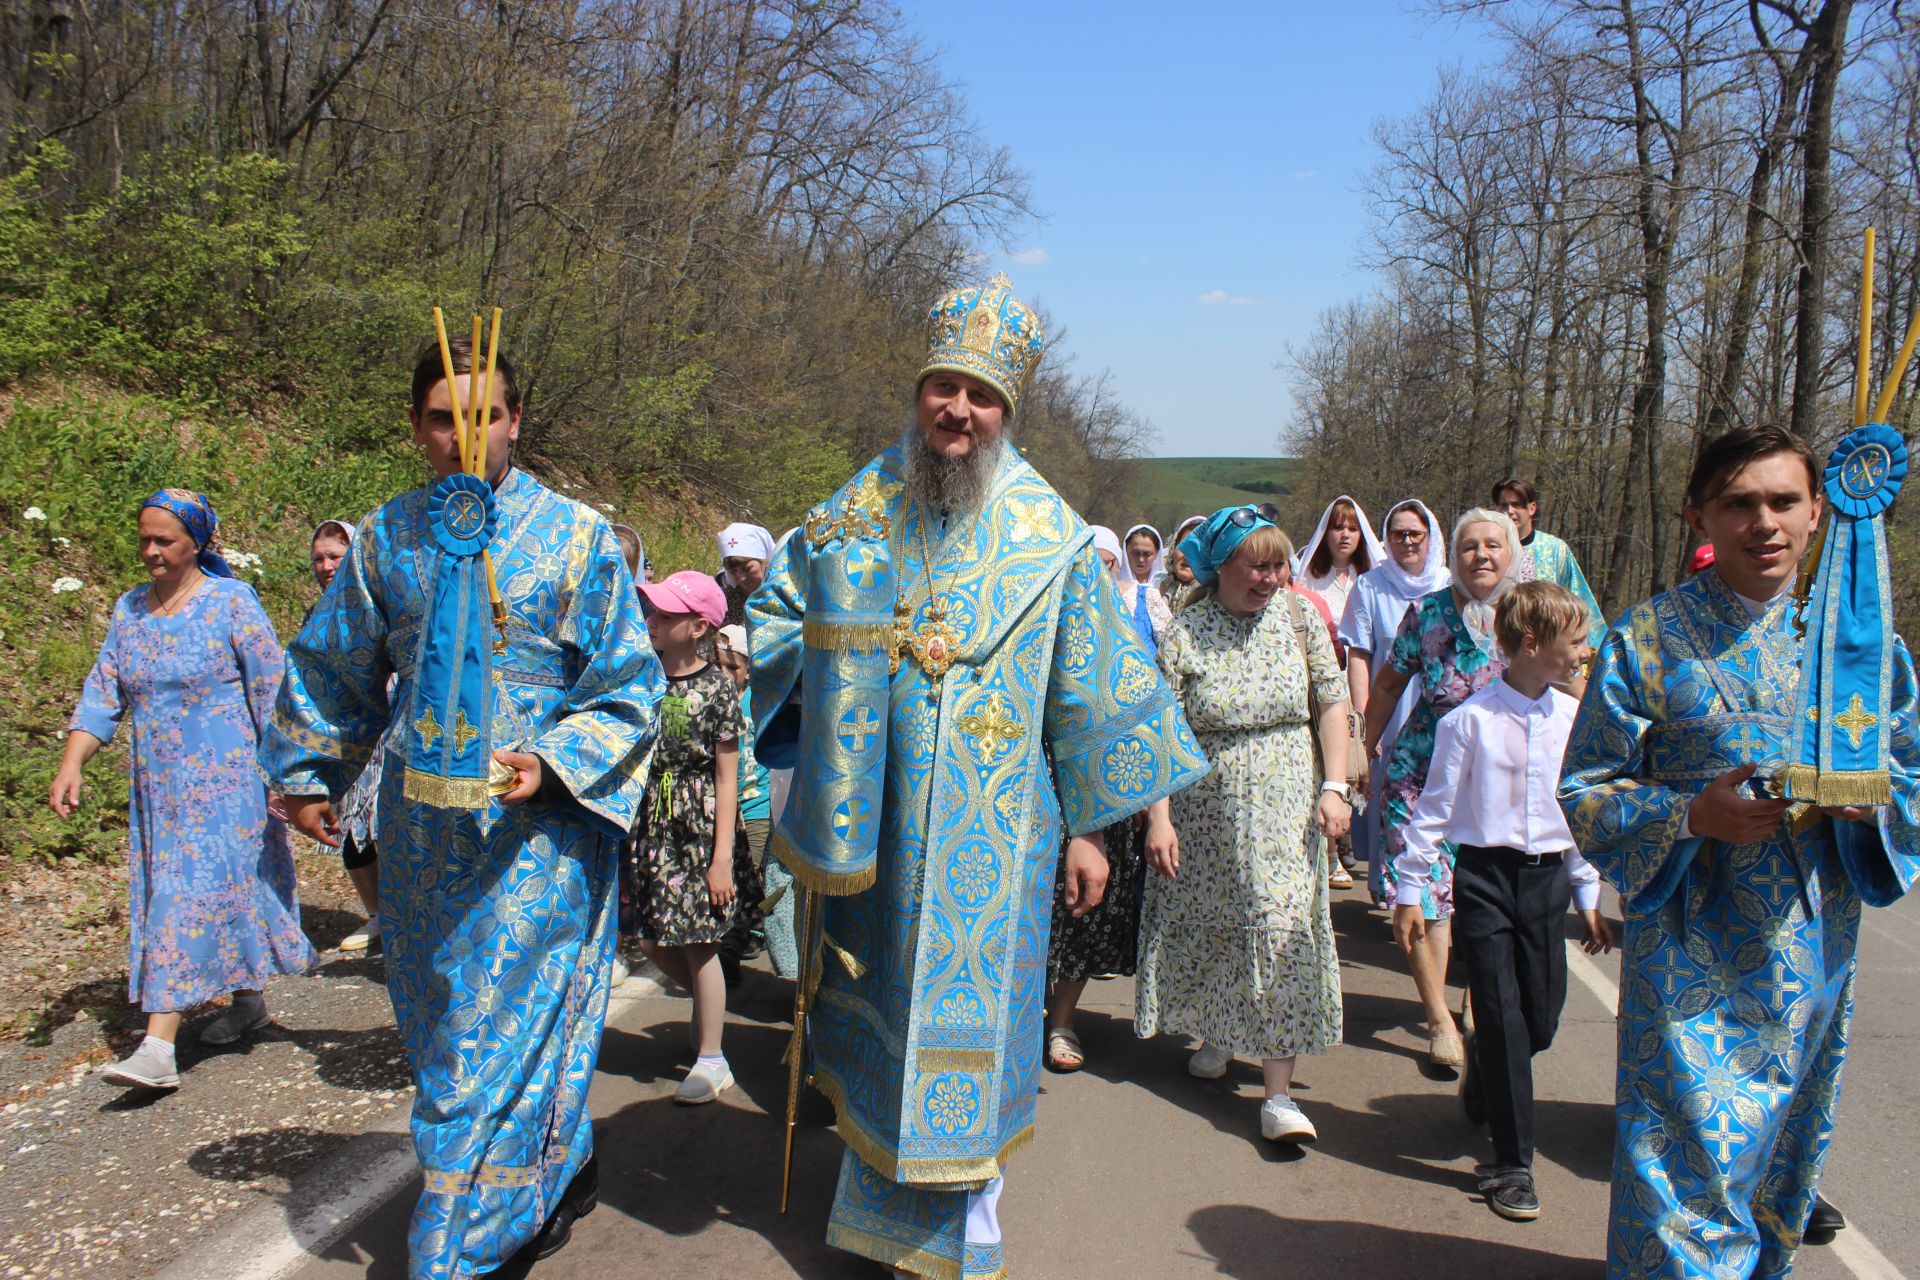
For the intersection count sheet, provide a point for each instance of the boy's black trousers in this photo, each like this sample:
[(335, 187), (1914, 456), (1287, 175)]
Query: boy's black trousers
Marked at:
[(1509, 914)]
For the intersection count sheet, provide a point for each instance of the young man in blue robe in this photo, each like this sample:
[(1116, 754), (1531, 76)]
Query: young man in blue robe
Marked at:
[(497, 895), (970, 685), (1543, 557), (1742, 911)]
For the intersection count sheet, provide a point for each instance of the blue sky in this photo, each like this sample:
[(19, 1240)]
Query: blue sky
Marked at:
[(1198, 166)]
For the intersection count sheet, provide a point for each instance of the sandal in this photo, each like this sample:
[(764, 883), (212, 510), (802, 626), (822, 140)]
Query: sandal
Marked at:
[(1339, 878), (1063, 1050)]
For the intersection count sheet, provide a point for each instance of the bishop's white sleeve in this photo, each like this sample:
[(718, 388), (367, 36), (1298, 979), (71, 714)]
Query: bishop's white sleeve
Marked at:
[(1427, 824)]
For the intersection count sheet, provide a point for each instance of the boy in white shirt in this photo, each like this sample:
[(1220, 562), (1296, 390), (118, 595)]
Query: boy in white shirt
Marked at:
[(1490, 791)]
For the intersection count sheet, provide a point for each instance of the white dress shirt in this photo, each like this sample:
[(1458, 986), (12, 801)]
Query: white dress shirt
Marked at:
[(1496, 762)]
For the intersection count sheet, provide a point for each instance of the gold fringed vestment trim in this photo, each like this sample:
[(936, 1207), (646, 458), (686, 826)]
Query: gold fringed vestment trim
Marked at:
[(1835, 788), (891, 1253), (935, 1175), (836, 637), (835, 884), (444, 793)]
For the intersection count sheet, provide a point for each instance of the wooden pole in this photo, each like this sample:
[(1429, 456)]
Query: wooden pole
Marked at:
[(810, 958)]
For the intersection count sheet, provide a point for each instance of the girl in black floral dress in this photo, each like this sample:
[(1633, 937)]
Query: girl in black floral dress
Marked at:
[(684, 845)]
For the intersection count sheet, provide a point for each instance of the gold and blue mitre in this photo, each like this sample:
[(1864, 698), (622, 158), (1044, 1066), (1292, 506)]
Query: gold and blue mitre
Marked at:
[(1843, 716), (829, 831), (987, 333)]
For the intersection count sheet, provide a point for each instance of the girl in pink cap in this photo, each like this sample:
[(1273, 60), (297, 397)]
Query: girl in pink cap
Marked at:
[(685, 839)]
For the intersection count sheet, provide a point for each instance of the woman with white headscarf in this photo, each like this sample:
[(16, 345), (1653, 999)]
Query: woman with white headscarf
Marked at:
[(1446, 639), (1140, 566), (1178, 577), (745, 550), (1340, 551)]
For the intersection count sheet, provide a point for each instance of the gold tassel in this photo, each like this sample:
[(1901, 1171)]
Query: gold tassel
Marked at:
[(848, 961), (444, 793), (835, 637), (1859, 787), (835, 884), (1798, 782)]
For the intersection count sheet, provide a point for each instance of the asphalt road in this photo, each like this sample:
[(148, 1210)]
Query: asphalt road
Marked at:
[(1140, 1170)]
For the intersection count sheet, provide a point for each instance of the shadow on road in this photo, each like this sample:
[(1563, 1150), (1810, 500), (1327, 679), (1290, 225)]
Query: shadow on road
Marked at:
[(1244, 1242)]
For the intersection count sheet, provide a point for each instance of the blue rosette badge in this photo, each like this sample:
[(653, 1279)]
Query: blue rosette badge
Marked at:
[(1843, 717), (450, 754)]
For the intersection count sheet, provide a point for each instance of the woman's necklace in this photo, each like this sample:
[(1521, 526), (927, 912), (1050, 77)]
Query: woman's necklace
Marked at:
[(934, 643), (178, 600)]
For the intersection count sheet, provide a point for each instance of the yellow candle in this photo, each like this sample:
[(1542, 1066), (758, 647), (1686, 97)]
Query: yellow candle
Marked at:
[(472, 460), (486, 400), (453, 388), (1884, 409), (1860, 389)]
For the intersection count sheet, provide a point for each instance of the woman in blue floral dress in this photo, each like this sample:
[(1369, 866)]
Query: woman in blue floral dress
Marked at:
[(193, 661), (1446, 640)]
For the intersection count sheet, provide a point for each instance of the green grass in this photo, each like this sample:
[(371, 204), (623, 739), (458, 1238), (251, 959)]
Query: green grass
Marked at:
[(1175, 488)]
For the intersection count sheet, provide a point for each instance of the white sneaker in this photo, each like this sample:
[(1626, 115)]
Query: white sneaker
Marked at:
[(703, 1084), (151, 1066), (363, 937), (1282, 1121), (619, 973), (1209, 1062)]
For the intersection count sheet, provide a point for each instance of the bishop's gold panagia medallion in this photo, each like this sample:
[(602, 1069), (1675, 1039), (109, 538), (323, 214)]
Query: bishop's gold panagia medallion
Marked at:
[(933, 644)]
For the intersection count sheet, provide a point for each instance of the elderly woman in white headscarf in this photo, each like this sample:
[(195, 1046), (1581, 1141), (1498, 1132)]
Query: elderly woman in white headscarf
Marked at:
[(745, 550), (1446, 639)]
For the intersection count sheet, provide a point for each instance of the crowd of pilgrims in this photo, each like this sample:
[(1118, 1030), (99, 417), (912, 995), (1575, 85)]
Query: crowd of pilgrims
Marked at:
[(1347, 693)]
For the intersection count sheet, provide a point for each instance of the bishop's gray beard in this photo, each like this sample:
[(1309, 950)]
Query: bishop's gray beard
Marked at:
[(956, 486)]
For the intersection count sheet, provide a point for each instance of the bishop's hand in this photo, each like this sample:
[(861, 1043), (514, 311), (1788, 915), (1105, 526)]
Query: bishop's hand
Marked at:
[(1721, 812)]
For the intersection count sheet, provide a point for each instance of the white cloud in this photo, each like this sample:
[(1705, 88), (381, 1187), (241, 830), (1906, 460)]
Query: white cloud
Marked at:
[(1221, 298), (1034, 257), (1303, 175)]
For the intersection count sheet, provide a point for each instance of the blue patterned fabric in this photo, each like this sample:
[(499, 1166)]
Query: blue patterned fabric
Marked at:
[(927, 1026), (211, 888), (1545, 558), (1737, 960), (498, 923), (195, 511)]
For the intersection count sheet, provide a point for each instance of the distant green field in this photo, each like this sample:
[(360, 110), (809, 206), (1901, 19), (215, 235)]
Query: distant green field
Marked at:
[(1179, 487)]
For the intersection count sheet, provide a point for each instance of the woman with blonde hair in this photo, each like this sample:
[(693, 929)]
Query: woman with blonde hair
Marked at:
[(1446, 639), (1236, 938)]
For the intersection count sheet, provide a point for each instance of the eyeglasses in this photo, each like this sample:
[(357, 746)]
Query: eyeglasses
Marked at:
[(1407, 535)]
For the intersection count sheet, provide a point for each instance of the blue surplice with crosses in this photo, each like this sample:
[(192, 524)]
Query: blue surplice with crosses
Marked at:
[(498, 922), (1737, 960)]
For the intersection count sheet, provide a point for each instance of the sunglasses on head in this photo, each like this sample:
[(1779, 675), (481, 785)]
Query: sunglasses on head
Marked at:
[(1246, 518)]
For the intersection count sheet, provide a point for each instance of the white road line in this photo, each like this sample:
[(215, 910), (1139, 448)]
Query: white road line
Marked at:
[(279, 1237), (1854, 1251)]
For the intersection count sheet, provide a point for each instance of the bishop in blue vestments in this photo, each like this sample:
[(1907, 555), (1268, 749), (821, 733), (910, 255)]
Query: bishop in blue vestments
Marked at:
[(967, 684)]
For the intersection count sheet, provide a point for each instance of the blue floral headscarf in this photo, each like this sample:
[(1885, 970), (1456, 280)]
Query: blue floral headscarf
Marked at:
[(195, 511), (1215, 539)]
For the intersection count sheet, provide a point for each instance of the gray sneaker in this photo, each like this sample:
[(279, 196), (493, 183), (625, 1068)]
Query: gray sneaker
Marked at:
[(237, 1021), (703, 1084), (147, 1067)]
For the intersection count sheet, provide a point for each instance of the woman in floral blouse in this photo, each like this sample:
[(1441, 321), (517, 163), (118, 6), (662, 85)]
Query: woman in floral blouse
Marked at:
[(1236, 940), (1446, 639)]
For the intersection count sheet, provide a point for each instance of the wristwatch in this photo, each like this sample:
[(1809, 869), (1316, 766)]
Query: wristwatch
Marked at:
[(1342, 789)]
